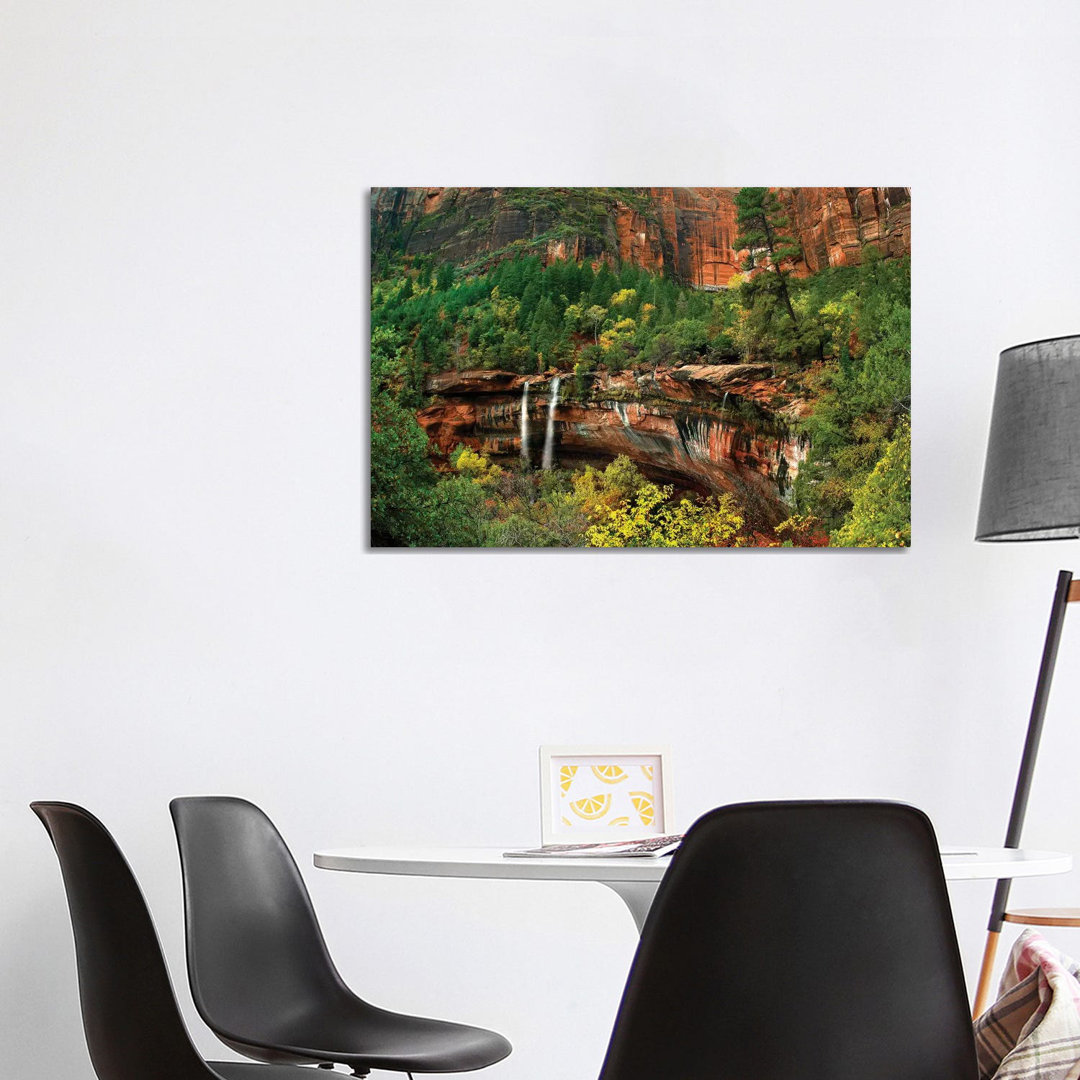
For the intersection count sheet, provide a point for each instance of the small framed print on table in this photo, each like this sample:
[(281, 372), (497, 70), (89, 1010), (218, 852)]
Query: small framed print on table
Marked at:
[(590, 794)]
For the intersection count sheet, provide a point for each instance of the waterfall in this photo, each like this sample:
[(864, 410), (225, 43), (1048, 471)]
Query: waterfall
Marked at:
[(525, 423), (549, 434), (723, 404)]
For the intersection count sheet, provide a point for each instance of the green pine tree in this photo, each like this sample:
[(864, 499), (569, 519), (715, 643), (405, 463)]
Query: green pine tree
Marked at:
[(763, 229)]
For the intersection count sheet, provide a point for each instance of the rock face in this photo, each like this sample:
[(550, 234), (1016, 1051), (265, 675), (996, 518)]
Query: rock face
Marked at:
[(832, 224), (709, 428), (689, 233)]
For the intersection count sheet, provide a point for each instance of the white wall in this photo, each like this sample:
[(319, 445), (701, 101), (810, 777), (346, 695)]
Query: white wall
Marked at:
[(187, 605)]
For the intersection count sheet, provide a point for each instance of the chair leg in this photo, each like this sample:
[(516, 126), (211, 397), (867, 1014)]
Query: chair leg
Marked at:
[(983, 990)]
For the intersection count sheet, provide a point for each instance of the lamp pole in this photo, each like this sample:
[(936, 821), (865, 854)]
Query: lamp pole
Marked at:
[(1064, 592)]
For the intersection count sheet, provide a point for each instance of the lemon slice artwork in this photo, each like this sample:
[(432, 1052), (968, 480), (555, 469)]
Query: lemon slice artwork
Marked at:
[(592, 808), (643, 804), (624, 820), (609, 774), (566, 777)]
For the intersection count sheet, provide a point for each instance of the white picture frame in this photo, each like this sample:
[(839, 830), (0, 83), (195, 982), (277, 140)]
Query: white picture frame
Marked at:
[(590, 794)]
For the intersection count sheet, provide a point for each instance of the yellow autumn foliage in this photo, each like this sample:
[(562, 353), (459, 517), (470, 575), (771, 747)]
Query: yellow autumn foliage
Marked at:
[(475, 466), (651, 519)]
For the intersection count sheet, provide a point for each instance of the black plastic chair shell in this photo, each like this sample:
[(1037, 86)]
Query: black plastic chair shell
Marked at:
[(133, 1026), (260, 973), (798, 941)]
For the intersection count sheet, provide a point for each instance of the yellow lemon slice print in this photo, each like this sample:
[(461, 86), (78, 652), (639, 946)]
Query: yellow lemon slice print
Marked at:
[(591, 808), (643, 804), (624, 820), (609, 774), (646, 771), (566, 777)]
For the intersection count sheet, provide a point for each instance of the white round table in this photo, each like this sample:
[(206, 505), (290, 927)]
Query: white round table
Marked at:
[(636, 879)]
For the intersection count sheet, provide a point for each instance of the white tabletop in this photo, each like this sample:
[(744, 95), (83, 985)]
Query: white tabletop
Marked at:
[(960, 864), (635, 880)]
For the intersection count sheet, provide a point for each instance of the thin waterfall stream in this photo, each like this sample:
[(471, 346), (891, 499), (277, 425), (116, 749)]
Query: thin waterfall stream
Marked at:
[(525, 423), (549, 432)]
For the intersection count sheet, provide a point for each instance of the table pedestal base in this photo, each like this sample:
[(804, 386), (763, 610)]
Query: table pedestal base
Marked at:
[(637, 896)]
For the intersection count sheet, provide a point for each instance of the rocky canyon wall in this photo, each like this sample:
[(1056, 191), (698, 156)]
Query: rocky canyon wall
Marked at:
[(708, 428), (689, 233)]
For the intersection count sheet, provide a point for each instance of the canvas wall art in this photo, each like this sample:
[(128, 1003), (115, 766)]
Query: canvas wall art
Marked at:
[(640, 367)]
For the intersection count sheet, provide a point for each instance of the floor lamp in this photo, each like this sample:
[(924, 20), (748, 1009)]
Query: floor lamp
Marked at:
[(1031, 491)]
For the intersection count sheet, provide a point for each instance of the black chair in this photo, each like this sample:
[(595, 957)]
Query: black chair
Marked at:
[(798, 941), (260, 973), (133, 1026)]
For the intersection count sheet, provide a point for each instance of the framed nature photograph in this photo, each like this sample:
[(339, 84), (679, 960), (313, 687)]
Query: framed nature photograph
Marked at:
[(640, 367), (594, 793)]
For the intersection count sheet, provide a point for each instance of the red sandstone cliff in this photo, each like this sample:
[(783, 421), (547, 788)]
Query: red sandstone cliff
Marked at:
[(689, 233), (707, 427), (832, 224)]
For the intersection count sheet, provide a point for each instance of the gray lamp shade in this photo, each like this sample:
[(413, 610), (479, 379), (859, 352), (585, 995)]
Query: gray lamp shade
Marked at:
[(1031, 484)]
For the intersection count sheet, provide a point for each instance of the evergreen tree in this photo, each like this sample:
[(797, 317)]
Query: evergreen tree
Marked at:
[(444, 280), (604, 284), (530, 301), (422, 266), (584, 281), (545, 315), (763, 229), (553, 280), (629, 276)]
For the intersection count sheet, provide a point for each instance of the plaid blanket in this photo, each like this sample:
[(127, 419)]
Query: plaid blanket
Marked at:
[(1032, 1031)]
